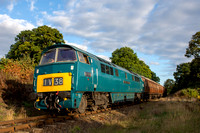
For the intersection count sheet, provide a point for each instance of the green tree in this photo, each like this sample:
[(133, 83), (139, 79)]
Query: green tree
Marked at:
[(187, 75), (154, 77), (32, 42), (195, 73), (169, 85), (182, 75), (194, 46), (126, 58)]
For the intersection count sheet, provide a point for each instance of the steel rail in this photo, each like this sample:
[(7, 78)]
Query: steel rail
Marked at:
[(40, 121)]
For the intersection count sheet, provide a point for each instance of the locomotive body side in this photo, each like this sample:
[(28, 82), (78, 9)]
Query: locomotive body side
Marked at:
[(70, 78)]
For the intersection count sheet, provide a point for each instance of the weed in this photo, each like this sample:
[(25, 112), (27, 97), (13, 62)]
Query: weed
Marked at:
[(75, 129), (180, 117)]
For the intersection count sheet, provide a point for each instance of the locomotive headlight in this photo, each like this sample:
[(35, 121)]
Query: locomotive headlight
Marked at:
[(72, 67), (37, 71)]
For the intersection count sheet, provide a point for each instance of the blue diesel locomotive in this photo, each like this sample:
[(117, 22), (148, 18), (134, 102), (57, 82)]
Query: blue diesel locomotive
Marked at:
[(70, 78)]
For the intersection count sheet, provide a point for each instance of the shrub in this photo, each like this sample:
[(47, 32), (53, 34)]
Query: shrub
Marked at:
[(16, 78), (21, 70), (190, 92)]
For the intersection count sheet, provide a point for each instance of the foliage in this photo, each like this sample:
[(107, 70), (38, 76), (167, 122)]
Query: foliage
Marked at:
[(155, 78), (187, 75), (21, 69), (195, 73), (182, 75), (169, 85), (194, 46), (190, 92), (32, 42), (16, 78), (126, 58)]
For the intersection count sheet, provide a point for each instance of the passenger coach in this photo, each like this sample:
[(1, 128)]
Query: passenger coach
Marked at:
[(70, 78)]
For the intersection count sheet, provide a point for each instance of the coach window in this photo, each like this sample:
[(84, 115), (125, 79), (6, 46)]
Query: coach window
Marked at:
[(116, 73), (137, 79), (126, 75), (83, 58), (107, 70), (103, 68), (111, 70)]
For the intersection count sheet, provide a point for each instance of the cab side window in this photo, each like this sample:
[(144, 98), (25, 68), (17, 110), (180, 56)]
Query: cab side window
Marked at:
[(83, 58), (103, 68), (137, 79)]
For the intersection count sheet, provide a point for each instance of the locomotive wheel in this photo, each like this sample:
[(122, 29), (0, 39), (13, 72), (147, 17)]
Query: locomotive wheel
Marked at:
[(83, 105)]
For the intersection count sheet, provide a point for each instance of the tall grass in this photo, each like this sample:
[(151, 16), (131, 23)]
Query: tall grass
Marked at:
[(157, 117)]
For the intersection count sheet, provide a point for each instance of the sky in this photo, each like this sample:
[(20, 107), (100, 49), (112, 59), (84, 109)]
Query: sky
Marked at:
[(157, 30)]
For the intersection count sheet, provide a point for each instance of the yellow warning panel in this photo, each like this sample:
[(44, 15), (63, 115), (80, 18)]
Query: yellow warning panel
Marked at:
[(54, 82)]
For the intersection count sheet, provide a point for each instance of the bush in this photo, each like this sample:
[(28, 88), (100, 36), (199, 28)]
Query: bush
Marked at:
[(21, 70), (16, 78), (190, 92)]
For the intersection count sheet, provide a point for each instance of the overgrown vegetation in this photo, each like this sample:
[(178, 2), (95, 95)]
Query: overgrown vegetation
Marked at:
[(16, 77), (191, 92), (156, 117)]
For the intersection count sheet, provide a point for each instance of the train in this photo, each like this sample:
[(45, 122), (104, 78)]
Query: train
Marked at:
[(69, 78), (152, 89)]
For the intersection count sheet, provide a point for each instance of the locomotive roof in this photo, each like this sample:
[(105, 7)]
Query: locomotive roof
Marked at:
[(89, 54)]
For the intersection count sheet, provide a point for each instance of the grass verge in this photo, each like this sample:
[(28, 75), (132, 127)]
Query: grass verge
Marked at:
[(156, 117)]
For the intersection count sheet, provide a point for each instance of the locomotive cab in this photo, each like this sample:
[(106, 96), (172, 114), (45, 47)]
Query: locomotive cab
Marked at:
[(54, 77)]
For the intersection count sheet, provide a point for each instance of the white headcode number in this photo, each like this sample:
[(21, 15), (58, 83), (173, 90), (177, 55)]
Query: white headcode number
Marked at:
[(47, 82), (58, 81)]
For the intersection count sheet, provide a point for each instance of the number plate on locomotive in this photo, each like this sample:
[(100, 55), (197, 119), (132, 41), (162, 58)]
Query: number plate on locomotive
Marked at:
[(57, 81)]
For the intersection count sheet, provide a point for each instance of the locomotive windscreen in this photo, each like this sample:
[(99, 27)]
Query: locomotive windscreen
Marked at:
[(58, 55)]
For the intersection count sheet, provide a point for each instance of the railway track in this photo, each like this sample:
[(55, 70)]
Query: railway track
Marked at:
[(40, 121)]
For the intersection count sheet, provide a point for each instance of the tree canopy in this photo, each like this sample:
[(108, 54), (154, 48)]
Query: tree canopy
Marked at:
[(126, 58), (194, 46), (154, 77), (187, 75), (169, 85), (32, 42)]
